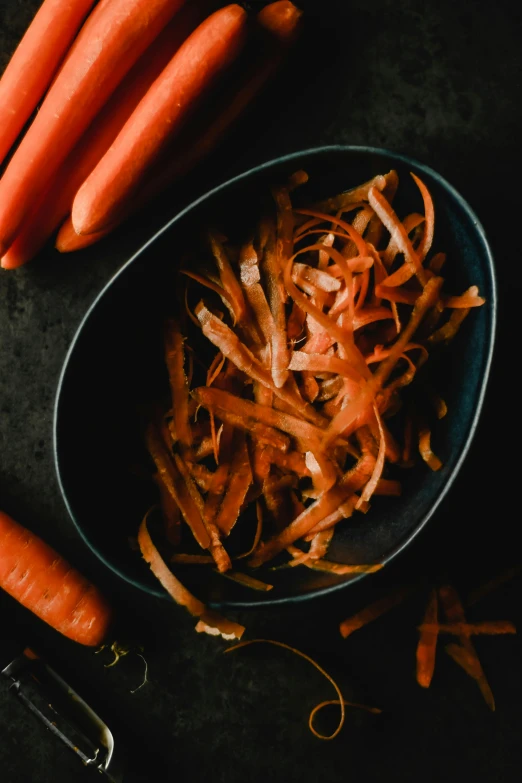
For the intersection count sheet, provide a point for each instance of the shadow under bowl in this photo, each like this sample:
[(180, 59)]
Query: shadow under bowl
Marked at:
[(114, 369)]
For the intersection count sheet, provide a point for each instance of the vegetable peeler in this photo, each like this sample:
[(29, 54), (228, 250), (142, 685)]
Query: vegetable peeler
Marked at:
[(64, 713)]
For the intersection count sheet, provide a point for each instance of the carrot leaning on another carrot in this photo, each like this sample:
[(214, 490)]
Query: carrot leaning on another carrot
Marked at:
[(204, 56), (42, 581), (278, 24), (34, 63), (112, 40), (57, 200)]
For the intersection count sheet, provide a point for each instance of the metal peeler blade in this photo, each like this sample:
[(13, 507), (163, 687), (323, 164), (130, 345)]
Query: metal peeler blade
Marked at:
[(63, 711)]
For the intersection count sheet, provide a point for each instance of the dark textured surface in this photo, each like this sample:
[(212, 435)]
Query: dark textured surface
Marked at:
[(440, 82)]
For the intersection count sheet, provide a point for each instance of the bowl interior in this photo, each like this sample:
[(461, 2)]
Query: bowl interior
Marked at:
[(115, 370)]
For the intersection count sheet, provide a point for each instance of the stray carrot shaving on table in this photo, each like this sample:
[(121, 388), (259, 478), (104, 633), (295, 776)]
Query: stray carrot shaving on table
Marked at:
[(308, 332)]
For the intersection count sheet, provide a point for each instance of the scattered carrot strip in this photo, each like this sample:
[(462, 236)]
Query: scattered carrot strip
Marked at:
[(173, 480), (247, 581), (374, 610), (215, 546), (239, 480), (388, 487), (345, 201), (429, 218), (276, 299), (184, 559), (427, 646), (468, 659), (450, 328), (229, 281), (425, 449), (496, 628), (175, 360), (437, 262), (378, 467), (481, 592), (341, 569), (340, 701), (210, 622), (412, 265)]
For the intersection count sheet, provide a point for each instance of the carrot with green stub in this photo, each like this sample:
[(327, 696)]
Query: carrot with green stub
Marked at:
[(42, 581), (112, 40), (57, 201), (159, 117), (34, 63)]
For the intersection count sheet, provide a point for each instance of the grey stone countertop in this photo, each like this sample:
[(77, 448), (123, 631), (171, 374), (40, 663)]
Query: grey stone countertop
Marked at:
[(438, 81)]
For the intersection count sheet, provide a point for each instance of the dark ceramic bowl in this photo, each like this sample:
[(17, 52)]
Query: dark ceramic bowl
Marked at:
[(115, 366)]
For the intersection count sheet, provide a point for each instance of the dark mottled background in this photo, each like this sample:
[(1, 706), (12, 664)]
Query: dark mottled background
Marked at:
[(438, 81)]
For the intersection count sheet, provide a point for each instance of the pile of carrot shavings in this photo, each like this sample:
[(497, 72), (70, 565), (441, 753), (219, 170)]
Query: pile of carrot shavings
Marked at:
[(286, 374)]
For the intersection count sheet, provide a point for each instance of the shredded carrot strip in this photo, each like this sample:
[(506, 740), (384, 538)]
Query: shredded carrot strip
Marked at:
[(341, 701), (468, 658), (240, 478), (412, 265), (176, 486), (202, 280), (429, 218), (247, 581), (374, 610), (346, 200), (175, 360), (425, 449), (210, 622), (229, 281), (369, 489), (495, 628), (427, 646), (493, 584), (388, 487)]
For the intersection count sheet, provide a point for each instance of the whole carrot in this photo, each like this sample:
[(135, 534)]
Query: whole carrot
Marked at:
[(57, 200), (42, 581), (279, 24), (111, 41), (34, 63), (67, 240), (158, 118)]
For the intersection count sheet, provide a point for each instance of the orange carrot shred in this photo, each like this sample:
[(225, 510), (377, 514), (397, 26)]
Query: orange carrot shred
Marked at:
[(427, 646), (340, 700), (464, 654), (210, 622), (374, 610)]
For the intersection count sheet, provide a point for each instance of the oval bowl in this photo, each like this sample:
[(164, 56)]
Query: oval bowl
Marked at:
[(115, 366)]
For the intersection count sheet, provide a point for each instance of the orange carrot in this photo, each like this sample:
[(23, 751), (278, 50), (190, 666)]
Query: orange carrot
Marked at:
[(57, 201), (42, 581), (204, 56), (112, 40), (279, 25), (34, 63), (280, 22), (67, 240)]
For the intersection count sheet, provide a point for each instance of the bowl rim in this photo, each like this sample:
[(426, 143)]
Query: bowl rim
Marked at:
[(311, 152)]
